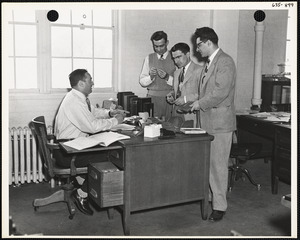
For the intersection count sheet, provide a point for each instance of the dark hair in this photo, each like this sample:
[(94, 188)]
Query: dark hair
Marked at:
[(159, 35), (206, 33), (183, 47), (76, 76)]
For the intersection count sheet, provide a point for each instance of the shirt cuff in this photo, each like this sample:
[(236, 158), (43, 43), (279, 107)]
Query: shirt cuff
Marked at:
[(184, 99)]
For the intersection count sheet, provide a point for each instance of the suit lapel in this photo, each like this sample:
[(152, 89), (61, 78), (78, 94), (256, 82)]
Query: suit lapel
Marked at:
[(211, 68)]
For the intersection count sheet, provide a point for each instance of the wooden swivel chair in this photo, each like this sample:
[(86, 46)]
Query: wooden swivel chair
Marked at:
[(51, 170), (241, 152)]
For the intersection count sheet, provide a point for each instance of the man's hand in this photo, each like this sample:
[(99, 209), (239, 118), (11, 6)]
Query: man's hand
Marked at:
[(119, 117), (179, 101), (114, 112), (195, 106), (170, 98), (162, 74), (153, 73)]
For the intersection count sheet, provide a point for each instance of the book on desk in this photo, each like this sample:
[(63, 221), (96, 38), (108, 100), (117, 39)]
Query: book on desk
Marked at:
[(103, 139)]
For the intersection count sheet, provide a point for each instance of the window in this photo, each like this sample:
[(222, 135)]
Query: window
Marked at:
[(42, 53), (288, 45)]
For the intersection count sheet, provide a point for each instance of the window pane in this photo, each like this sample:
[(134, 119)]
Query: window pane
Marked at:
[(24, 15), (82, 42), (64, 16), (7, 39), (103, 43), (61, 68), (25, 40), (9, 73), (103, 73), (26, 73), (102, 18), (82, 17), (83, 64), (61, 41)]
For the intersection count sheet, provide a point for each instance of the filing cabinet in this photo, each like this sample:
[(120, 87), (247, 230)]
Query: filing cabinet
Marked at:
[(105, 186), (282, 157)]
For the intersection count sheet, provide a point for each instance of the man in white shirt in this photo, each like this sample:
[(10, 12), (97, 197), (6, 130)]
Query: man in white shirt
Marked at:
[(157, 75), (76, 117)]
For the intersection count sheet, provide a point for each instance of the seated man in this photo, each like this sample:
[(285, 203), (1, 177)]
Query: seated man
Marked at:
[(76, 117)]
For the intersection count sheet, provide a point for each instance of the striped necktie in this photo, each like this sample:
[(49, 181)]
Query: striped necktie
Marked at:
[(180, 81), (89, 104), (206, 69)]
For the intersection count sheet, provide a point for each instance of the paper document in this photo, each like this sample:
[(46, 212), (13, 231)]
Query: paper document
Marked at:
[(103, 139), (123, 126), (273, 116), (192, 130)]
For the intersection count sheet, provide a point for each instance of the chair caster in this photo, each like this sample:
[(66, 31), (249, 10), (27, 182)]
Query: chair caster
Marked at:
[(258, 187)]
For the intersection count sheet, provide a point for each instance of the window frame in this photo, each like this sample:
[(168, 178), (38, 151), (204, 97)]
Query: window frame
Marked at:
[(44, 55)]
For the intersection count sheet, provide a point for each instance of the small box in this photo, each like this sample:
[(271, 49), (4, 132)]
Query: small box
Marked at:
[(105, 184), (152, 130)]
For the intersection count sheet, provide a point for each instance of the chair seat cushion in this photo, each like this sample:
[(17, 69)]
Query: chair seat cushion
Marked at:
[(244, 149)]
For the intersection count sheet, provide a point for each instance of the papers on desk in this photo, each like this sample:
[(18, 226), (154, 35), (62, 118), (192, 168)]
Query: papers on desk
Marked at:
[(273, 116), (123, 126), (192, 130), (103, 139)]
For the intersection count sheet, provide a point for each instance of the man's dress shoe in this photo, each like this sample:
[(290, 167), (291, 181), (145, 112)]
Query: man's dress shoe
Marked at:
[(216, 216), (82, 203)]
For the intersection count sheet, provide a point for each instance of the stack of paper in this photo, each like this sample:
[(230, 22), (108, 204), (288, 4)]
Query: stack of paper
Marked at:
[(103, 139)]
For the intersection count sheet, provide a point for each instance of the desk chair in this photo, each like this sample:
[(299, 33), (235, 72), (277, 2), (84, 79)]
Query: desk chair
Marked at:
[(241, 152), (51, 170)]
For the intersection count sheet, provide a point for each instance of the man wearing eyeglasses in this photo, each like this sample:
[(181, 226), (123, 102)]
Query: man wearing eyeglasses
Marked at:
[(216, 110), (157, 74)]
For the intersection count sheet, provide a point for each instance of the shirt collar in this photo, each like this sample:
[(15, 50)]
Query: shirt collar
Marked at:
[(78, 93), (211, 57), (164, 55), (186, 67)]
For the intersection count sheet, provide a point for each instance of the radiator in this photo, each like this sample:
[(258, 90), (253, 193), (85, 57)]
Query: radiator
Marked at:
[(25, 163)]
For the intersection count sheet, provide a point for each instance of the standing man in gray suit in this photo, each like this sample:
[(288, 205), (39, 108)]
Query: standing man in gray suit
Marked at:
[(157, 74), (186, 81), (216, 113)]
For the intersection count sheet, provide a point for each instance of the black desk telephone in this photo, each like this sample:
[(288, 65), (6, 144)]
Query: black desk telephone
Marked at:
[(166, 134)]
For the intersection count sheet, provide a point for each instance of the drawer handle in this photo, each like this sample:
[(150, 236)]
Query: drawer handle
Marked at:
[(93, 174), (93, 193)]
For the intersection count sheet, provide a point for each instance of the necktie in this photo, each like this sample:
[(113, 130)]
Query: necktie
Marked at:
[(88, 103), (180, 81), (161, 57), (206, 69)]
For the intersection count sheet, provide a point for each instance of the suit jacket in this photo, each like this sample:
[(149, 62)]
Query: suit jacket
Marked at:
[(190, 82), (189, 87), (216, 95)]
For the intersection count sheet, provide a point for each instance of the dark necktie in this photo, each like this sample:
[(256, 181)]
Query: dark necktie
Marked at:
[(88, 103), (206, 69), (161, 57), (180, 81)]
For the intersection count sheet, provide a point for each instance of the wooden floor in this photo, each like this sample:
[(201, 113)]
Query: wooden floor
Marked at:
[(250, 213)]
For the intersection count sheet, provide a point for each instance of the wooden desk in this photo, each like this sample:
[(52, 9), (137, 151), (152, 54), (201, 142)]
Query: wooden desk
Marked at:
[(276, 145), (160, 173)]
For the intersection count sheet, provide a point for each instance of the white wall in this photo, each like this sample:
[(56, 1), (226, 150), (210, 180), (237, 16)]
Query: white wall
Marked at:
[(234, 28)]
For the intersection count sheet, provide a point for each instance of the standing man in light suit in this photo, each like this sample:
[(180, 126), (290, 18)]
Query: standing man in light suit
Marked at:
[(186, 81), (157, 74), (217, 113)]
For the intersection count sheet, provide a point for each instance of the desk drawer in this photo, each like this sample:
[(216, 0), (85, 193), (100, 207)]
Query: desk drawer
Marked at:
[(105, 184), (257, 127), (283, 138)]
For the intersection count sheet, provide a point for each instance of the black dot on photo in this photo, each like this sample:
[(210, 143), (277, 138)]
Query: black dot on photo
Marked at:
[(259, 15), (52, 15)]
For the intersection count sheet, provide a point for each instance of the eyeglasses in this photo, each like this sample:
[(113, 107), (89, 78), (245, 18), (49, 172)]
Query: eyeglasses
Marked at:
[(199, 43)]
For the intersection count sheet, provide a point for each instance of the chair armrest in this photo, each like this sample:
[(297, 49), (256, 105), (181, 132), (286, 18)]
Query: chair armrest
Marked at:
[(50, 137), (53, 146)]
